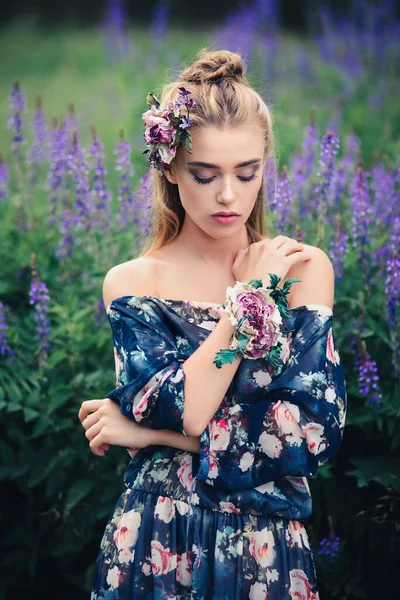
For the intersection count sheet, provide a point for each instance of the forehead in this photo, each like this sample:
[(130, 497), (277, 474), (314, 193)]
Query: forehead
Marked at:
[(228, 146)]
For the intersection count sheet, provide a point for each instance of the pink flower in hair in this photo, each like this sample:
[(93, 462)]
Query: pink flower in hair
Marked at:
[(166, 128)]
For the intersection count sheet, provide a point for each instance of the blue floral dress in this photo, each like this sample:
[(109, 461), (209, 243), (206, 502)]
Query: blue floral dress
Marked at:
[(225, 524)]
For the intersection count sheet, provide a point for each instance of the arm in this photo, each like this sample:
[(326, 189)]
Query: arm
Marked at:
[(295, 426), (196, 379), (206, 385), (152, 382), (295, 423), (165, 437), (105, 426)]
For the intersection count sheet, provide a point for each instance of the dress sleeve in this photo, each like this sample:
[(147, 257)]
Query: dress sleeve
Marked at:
[(295, 425), (148, 369)]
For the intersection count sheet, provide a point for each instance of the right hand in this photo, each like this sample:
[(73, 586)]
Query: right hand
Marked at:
[(268, 256)]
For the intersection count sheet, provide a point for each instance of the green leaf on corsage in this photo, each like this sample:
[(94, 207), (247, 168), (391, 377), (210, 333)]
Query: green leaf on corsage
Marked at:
[(187, 141), (224, 357), (151, 99)]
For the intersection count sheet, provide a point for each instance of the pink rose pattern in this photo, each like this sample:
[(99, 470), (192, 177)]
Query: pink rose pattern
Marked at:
[(243, 522)]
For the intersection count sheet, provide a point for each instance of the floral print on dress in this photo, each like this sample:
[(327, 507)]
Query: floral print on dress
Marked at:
[(227, 523)]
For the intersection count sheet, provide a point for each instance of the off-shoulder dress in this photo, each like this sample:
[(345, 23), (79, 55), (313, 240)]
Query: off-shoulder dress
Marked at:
[(228, 523)]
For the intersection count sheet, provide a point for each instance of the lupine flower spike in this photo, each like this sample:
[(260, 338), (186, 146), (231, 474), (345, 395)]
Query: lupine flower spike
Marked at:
[(4, 173), (100, 192), (123, 164), (39, 297), (18, 106), (5, 349)]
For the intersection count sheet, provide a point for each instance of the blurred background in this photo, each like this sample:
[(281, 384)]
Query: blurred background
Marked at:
[(75, 199)]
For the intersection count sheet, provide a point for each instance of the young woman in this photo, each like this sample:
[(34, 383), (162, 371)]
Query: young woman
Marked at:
[(230, 391)]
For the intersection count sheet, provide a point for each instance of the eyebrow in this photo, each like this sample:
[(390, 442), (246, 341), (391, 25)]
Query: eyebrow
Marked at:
[(246, 163)]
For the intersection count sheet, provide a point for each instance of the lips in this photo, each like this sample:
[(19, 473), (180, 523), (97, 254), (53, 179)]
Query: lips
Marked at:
[(232, 214)]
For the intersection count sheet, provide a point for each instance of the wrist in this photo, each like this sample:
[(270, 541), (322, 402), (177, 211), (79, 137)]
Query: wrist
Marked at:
[(167, 437)]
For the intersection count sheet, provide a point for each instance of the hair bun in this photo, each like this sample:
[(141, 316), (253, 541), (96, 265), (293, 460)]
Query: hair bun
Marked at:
[(215, 65)]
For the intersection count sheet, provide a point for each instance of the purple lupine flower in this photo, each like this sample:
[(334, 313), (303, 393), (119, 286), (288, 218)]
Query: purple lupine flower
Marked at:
[(304, 65), (335, 121), (270, 177), (37, 153), (56, 181), (329, 150), (330, 547), (397, 176), (368, 378), (116, 42), (361, 220), (78, 168), (338, 189), (144, 203), (310, 144), (283, 200), (160, 23), (100, 315), (338, 250), (302, 165), (268, 13), (126, 197), (18, 106), (100, 191), (39, 297), (52, 136), (238, 32), (392, 290), (69, 223), (265, 21), (392, 283), (71, 120), (383, 186), (5, 349), (270, 51), (4, 174), (351, 158), (299, 179)]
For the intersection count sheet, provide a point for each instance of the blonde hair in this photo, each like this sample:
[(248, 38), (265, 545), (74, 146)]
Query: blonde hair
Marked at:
[(223, 96)]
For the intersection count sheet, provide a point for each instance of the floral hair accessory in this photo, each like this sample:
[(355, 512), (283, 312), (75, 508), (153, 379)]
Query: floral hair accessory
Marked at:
[(166, 128), (257, 314)]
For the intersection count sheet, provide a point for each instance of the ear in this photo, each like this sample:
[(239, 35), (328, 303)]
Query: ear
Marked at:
[(169, 173)]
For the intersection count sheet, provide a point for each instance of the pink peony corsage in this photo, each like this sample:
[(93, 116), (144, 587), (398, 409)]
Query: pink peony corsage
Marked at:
[(257, 314), (167, 128)]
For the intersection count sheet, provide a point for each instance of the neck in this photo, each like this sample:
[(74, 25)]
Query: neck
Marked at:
[(216, 251)]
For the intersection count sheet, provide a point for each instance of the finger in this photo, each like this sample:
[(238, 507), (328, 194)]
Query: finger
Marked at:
[(281, 240), (93, 430), (91, 419), (96, 445), (239, 254), (298, 256), (89, 406)]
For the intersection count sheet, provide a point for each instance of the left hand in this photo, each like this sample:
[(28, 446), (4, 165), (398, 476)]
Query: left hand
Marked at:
[(105, 426)]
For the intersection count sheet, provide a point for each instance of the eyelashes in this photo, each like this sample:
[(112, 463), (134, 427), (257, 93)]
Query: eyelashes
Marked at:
[(205, 181)]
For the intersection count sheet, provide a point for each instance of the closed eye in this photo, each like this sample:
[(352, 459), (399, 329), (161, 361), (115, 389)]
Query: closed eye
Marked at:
[(205, 181)]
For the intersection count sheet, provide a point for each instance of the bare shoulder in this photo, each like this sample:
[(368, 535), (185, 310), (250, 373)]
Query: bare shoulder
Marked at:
[(317, 285), (132, 278)]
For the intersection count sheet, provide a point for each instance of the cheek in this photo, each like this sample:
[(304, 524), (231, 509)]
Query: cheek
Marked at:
[(192, 194), (249, 191)]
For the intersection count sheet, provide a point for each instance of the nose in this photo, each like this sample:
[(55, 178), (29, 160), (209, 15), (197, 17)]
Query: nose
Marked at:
[(226, 192)]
